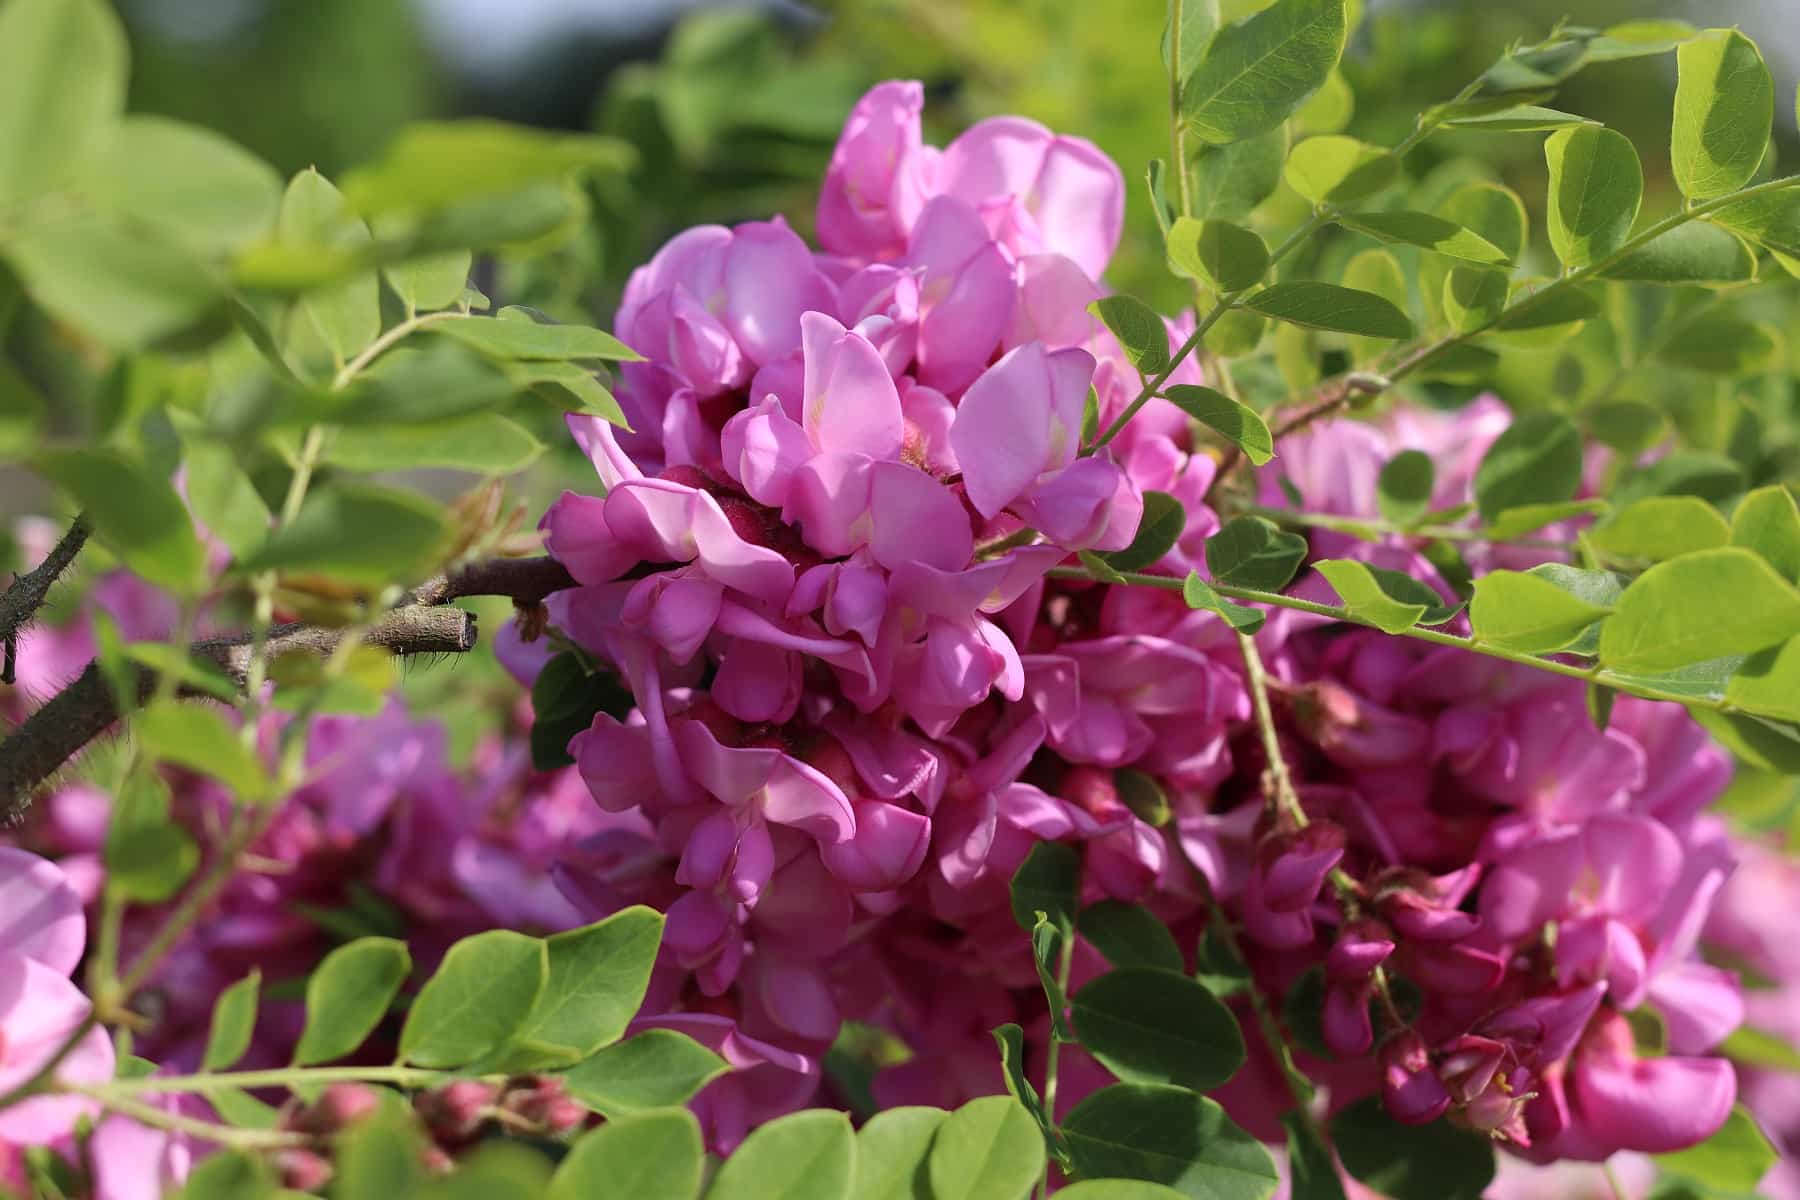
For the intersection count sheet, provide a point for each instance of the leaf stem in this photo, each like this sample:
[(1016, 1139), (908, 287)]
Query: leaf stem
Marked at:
[(223, 1135), (380, 345), (1064, 962), (1358, 526), (275, 1077)]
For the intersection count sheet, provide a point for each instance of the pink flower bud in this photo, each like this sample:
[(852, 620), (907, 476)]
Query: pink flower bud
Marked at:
[(303, 1170), (1410, 1089), (456, 1112), (338, 1107), (1293, 866)]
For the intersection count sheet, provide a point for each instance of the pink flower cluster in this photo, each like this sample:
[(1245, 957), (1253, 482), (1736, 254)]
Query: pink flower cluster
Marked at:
[(821, 563)]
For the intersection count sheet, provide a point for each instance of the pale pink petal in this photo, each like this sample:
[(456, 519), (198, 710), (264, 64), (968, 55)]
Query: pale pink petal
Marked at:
[(40, 913)]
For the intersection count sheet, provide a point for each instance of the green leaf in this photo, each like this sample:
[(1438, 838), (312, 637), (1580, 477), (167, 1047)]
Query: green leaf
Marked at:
[(1494, 212), (1202, 595), (1168, 1135), (1659, 527), (1692, 253), (1474, 298), (356, 531), (233, 1021), (1563, 306), (1199, 21), (574, 387), (229, 1175), (891, 1148), (408, 386), (1365, 598), (1226, 256), (1237, 333), (1596, 186), (1521, 118), (598, 975), (1140, 331), (200, 739), (1683, 473), (481, 994), (1768, 522), (186, 182), (1752, 1047), (658, 1068), (1425, 231), (514, 333), (433, 164), (1326, 306), (1436, 1161), (1628, 426), (1404, 487), (1160, 528), (1516, 610), (1047, 946), (148, 857), (432, 282), (1117, 1189), (1129, 935), (1312, 1174), (1230, 181), (1257, 72), (62, 86), (1379, 273), (347, 996), (223, 498), (1148, 1025), (1250, 552), (1339, 170), (134, 511), (496, 1170), (651, 1156), (1237, 424), (378, 1158), (486, 443), (1724, 103), (107, 279), (989, 1149), (1011, 1041), (803, 1156), (1632, 39), (1698, 607), (1536, 461), (1143, 796), (1733, 1160), (1333, 104), (1721, 343), (1048, 882), (346, 315), (1768, 683)]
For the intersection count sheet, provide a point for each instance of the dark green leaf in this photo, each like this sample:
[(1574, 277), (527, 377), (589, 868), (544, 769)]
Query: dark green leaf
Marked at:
[(1411, 1162), (1312, 1174), (1596, 186), (1140, 331), (480, 995), (1226, 256), (1048, 882), (514, 334), (1426, 232), (807, 1155), (598, 975), (1239, 425), (658, 1068), (1721, 343), (1129, 935), (1230, 181), (1339, 170), (1560, 306), (1199, 21), (233, 1021), (1724, 102), (1160, 528), (989, 1149), (1143, 796), (1628, 426), (1404, 487), (347, 996), (1168, 1135), (1698, 607), (1536, 461), (1250, 552), (486, 443), (1257, 72), (1328, 306), (651, 1156), (1011, 1041), (1692, 253), (357, 531), (1148, 1025)]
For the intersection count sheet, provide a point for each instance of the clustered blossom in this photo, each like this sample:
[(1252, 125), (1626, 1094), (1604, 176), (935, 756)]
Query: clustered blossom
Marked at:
[(861, 698)]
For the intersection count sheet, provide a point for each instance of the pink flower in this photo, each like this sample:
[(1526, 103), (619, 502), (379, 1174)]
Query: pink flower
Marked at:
[(869, 197)]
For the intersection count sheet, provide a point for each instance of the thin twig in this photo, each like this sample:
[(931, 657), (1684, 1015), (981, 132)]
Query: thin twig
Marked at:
[(25, 595)]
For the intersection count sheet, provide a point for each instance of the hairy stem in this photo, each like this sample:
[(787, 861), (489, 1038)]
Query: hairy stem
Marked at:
[(25, 595)]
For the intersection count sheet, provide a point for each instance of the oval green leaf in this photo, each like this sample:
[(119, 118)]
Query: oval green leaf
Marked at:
[(988, 1148), (1256, 72), (1149, 1025), (1660, 527), (651, 1156), (1518, 611), (1724, 103), (803, 1156), (1237, 424), (1596, 185), (891, 1149), (1327, 306), (1768, 522), (1168, 1135), (658, 1068), (347, 996), (1227, 256), (480, 995), (1698, 607)]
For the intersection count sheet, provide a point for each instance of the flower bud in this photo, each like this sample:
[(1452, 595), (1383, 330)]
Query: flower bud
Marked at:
[(338, 1107), (1410, 1089), (456, 1111), (303, 1170), (1293, 866)]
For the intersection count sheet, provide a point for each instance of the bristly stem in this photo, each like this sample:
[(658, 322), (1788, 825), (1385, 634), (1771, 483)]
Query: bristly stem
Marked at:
[(26, 594)]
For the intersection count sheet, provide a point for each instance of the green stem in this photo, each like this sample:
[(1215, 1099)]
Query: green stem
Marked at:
[(1588, 674), (1357, 526), (380, 345), (1282, 795), (223, 1135), (406, 1077), (1054, 1051)]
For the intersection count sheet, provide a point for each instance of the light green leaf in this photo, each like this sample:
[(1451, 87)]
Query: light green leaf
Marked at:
[(229, 1175), (434, 164), (658, 1068), (1425, 231), (1226, 256), (347, 996), (1768, 683), (1250, 552), (482, 992), (1240, 426), (891, 1149), (1493, 211), (356, 531), (1692, 253), (346, 315), (1721, 343), (989, 1149), (1724, 103), (186, 182), (223, 498), (379, 1158), (1536, 461), (148, 857), (514, 333), (233, 1021), (1202, 595), (1596, 186), (1521, 118), (198, 738), (1339, 170), (1331, 107), (1731, 1161), (432, 282), (1257, 72), (1411, 1162), (1628, 426), (1150, 1025), (1515, 610), (1697, 607), (62, 86), (573, 387), (1768, 522), (651, 1156), (1327, 306), (1474, 297), (1171, 1136), (1129, 935), (1140, 331), (1377, 272), (1751, 1046), (107, 279), (808, 1155), (1365, 598), (487, 443), (1159, 529), (1659, 527), (134, 511), (597, 979)]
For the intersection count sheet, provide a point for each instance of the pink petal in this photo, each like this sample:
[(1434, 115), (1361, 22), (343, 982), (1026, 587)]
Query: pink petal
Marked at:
[(889, 844), (770, 283), (1002, 431), (914, 518), (851, 405), (40, 913), (1654, 1105)]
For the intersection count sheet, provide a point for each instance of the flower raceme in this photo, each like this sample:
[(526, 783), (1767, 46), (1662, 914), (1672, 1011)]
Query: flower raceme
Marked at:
[(820, 562)]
